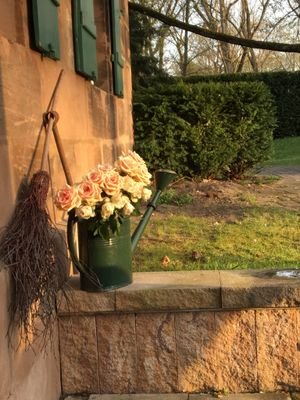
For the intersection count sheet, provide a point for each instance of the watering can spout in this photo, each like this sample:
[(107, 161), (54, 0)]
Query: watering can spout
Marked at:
[(163, 177)]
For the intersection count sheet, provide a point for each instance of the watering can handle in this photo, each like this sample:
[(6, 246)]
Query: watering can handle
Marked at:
[(72, 220)]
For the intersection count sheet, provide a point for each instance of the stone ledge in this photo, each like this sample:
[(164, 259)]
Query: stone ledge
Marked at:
[(186, 396), (243, 396), (181, 290), (258, 289), (169, 396), (80, 302), (188, 290)]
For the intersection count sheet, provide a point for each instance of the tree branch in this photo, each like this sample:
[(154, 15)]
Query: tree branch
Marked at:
[(255, 44)]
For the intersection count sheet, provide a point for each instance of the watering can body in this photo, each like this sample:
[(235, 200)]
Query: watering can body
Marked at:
[(105, 264)]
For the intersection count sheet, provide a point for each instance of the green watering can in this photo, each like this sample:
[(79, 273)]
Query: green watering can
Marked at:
[(107, 264)]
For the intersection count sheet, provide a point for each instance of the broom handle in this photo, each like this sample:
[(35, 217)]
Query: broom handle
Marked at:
[(51, 120), (43, 123), (52, 100), (46, 143), (62, 155)]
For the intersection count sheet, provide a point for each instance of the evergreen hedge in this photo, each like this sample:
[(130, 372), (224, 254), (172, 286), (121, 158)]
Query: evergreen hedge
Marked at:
[(285, 89), (211, 130)]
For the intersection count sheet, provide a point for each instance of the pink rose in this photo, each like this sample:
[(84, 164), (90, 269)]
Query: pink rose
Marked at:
[(96, 176), (67, 198), (89, 191), (111, 184)]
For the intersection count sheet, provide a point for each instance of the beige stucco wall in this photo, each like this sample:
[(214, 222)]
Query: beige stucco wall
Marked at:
[(25, 375), (95, 126)]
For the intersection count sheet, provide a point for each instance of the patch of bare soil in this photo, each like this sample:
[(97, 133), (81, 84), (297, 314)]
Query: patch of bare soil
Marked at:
[(228, 200)]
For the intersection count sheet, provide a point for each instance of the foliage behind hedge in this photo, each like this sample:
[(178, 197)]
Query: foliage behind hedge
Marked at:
[(207, 129), (285, 88)]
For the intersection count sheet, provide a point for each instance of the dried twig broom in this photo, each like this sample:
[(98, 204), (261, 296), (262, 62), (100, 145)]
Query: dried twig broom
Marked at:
[(28, 247)]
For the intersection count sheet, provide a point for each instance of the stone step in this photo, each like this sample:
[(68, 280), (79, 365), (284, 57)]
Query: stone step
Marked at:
[(185, 396)]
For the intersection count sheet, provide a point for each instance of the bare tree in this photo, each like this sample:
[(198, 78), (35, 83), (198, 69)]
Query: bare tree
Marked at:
[(237, 18), (160, 31), (225, 35)]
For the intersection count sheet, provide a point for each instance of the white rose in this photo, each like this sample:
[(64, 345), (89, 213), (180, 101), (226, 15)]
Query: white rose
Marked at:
[(128, 209), (107, 210), (135, 189), (126, 164), (128, 184), (85, 212), (119, 201), (146, 194), (138, 190), (142, 175)]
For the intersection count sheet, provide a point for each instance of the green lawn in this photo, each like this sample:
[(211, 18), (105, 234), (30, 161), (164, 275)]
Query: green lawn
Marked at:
[(262, 238), (286, 152)]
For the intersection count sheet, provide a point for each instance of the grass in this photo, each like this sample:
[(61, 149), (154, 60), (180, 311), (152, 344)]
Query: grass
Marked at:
[(286, 152), (262, 238), (170, 196)]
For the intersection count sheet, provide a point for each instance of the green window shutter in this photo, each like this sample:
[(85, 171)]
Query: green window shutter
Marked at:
[(84, 32), (117, 59), (45, 33)]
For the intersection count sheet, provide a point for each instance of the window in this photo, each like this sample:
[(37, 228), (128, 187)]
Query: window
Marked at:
[(44, 33), (84, 32), (117, 58)]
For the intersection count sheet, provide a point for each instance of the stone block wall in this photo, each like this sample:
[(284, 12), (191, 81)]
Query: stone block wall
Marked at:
[(193, 332)]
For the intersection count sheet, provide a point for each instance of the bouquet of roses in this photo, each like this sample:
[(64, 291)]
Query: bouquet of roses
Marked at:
[(108, 193)]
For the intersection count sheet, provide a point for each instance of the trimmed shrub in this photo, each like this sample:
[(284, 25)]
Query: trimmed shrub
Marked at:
[(284, 87), (211, 130), (160, 134)]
